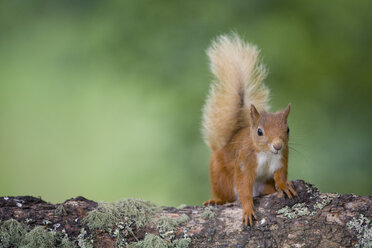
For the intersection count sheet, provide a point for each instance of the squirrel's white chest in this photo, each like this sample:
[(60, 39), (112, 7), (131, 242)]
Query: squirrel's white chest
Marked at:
[(267, 164)]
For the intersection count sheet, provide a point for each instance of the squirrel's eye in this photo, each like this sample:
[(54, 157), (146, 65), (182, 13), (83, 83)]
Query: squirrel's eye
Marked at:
[(259, 132), (287, 130)]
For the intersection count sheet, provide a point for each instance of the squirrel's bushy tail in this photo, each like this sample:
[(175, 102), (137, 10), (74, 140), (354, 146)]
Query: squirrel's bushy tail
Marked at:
[(238, 84)]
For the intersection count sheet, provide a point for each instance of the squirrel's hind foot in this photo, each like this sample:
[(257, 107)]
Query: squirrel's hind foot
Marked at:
[(214, 202)]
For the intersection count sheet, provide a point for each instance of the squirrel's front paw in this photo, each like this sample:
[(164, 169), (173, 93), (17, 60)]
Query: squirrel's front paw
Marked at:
[(286, 188), (248, 216)]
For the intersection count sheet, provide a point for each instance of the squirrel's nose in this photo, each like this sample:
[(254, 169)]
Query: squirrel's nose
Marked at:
[(277, 146)]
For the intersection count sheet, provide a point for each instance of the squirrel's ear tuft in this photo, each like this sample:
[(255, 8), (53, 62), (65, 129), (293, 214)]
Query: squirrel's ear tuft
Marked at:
[(286, 111), (254, 114)]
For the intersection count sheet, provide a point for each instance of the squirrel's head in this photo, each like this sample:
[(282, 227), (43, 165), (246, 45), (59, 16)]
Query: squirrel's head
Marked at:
[(270, 131)]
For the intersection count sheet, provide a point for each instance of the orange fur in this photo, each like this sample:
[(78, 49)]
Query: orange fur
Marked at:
[(269, 187), (243, 162)]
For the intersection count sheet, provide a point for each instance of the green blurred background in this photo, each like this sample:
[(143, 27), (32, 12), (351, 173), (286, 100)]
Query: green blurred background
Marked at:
[(103, 98)]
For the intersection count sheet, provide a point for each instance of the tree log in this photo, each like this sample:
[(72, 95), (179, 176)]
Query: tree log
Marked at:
[(312, 219)]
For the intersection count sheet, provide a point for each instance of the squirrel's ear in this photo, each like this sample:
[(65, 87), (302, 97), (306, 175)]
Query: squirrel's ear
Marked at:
[(254, 114), (286, 111)]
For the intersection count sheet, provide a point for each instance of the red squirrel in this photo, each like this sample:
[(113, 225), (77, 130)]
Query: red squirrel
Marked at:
[(249, 144)]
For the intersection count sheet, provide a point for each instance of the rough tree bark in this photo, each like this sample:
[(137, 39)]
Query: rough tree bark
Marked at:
[(312, 219)]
